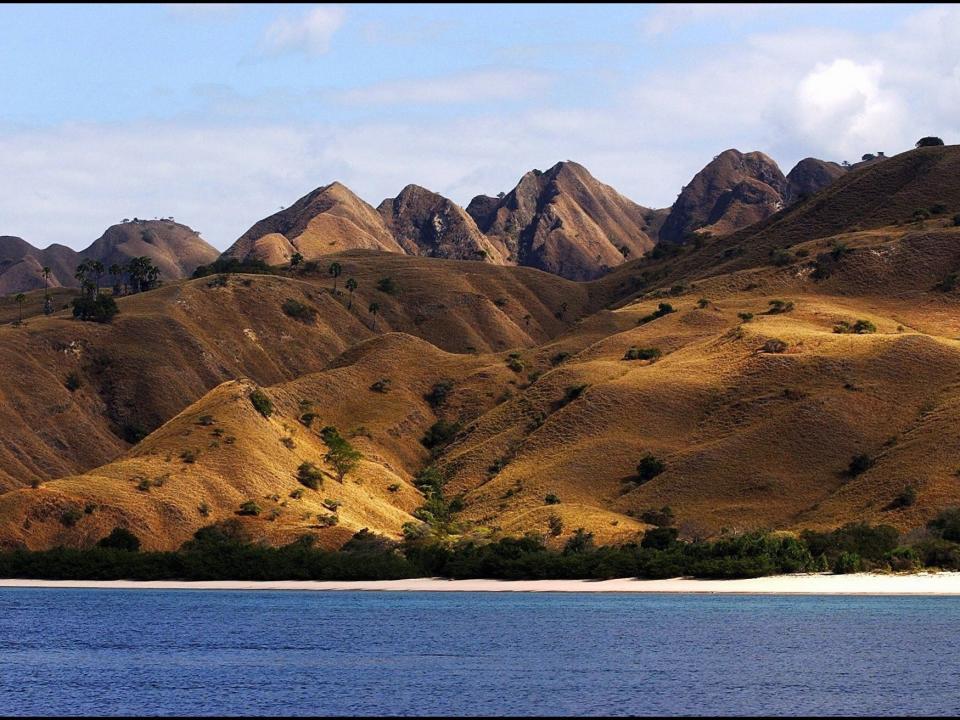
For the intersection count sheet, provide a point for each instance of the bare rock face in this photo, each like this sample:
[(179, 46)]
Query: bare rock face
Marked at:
[(565, 222), (716, 197), (328, 220), (425, 223), (810, 176)]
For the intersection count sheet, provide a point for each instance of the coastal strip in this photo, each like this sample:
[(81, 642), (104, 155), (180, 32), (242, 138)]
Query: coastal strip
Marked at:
[(943, 583)]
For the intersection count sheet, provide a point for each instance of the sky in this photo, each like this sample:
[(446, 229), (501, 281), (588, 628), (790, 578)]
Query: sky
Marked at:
[(219, 115)]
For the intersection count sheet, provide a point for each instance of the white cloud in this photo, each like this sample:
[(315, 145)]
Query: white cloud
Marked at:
[(478, 86), (310, 32)]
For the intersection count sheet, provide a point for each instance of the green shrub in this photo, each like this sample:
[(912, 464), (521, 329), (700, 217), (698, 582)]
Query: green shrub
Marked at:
[(250, 507), (778, 307), (144, 485), (860, 327), (381, 386), (551, 499), (297, 494), (440, 434), (206, 420), (660, 538), (100, 308), (203, 509), (560, 357), (947, 524), (331, 504), (120, 539), (393, 487), (309, 475), (635, 353), (515, 364), (904, 559), (745, 316), (387, 285), (781, 257), (261, 402), (72, 382), (189, 456), (649, 467), (573, 392), (555, 525), (297, 310), (70, 517), (904, 499), (661, 518), (859, 464), (662, 309), (703, 303), (439, 393), (307, 419), (847, 563)]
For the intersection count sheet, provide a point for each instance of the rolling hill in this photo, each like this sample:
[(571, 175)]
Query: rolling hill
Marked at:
[(799, 373)]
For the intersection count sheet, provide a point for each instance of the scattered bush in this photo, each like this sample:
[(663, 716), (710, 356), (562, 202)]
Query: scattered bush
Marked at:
[(949, 283), (189, 456), (929, 141), (661, 518), (297, 494), (440, 434), (298, 310), (659, 538), (393, 487), (778, 307), (261, 402), (947, 525), (381, 386), (551, 499), (72, 382), (100, 308), (250, 507), (860, 327), (635, 353), (120, 539), (70, 517), (662, 309), (775, 345), (387, 285), (439, 393), (331, 504), (703, 303), (904, 499), (206, 420), (555, 525), (745, 316), (781, 257), (859, 464), (309, 475), (649, 467), (203, 509), (307, 419), (559, 358)]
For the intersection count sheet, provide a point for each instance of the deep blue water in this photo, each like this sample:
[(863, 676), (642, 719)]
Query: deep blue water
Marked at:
[(300, 653)]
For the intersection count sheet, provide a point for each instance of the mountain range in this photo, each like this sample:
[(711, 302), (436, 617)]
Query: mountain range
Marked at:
[(800, 371)]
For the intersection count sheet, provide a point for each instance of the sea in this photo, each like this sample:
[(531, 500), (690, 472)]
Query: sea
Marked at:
[(197, 652)]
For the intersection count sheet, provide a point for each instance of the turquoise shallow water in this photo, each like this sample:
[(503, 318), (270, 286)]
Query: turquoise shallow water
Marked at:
[(122, 652)]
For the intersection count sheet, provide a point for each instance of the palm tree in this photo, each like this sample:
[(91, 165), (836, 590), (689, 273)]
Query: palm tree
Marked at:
[(351, 286), (97, 267), (83, 269), (46, 279), (115, 272), (374, 309), (20, 298), (335, 270)]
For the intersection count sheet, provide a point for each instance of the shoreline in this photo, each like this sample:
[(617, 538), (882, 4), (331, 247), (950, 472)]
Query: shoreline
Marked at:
[(943, 583)]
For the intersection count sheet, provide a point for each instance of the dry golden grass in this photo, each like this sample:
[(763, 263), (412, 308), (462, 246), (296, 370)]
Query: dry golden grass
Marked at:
[(547, 403)]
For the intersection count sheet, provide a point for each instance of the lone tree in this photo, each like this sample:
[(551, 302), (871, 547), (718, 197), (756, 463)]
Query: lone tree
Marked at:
[(335, 271), (20, 297), (116, 272), (296, 259), (46, 279), (351, 286), (929, 141), (373, 310), (341, 454)]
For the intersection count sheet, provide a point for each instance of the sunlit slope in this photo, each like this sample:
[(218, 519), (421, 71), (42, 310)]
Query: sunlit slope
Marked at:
[(167, 347), (221, 452)]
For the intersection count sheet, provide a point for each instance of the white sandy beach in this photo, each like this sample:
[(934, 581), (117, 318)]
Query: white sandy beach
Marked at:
[(945, 583)]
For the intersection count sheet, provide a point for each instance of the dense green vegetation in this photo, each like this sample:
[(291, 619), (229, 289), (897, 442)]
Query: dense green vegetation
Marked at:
[(224, 551)]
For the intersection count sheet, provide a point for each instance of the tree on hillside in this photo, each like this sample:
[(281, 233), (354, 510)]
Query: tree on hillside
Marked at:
[(335, 271), (296, 259), (96, 267), (373, 310), (929, 141), (20, 298), (116, 272), (351, 286), (46, 279), (341, 454), (143, 274)]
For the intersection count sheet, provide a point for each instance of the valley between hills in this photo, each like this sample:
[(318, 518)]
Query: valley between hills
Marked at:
[(774, 351)]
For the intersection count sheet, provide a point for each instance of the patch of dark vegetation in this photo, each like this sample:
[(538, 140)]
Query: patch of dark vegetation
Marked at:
[(437, 397), (233, 265), (298, 311), (100, 308), (261, 402), (635, 353), (662, 309)]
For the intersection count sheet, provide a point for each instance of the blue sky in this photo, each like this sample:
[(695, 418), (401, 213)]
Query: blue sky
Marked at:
[(218, 115)]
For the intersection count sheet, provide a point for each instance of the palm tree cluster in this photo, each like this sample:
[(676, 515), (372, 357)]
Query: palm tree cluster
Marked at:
[(137, 275)]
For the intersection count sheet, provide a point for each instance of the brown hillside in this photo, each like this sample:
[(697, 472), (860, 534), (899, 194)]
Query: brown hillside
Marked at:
[(174, 248), (21, 265), (328, 220), (810, 176)]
